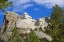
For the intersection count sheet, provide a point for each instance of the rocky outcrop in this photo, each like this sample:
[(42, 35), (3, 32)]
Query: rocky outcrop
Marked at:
[(23, 23), (41, 34), (8, 24), (41, 22)]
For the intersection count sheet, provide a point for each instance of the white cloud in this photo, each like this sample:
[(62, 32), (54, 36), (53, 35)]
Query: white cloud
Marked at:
[(20, 2), (50, 3), (20, 5), (37, 9), (21, 8)]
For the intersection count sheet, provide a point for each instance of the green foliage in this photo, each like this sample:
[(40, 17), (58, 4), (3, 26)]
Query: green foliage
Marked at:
[(32, 37), (35, 29), (40, 29), (43, 40), (4, 4), (56, 26), (15, 37), (56, 15)]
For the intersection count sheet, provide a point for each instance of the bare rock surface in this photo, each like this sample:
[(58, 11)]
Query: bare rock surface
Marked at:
[(8, 24), (24, 23), (41, 34)]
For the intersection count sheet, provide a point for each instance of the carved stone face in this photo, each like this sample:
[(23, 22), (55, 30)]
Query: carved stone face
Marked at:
[(25, 15)]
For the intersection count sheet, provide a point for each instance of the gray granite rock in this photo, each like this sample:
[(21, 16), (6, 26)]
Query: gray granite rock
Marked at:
[(24, 23), (8, 24), (43, 35)]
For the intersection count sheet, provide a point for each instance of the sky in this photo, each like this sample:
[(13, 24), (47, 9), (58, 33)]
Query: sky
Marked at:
[(35, 8)]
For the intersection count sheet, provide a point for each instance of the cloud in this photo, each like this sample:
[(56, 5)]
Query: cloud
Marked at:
[(20, 2), (37, 9), (20, 5), (49, 3)]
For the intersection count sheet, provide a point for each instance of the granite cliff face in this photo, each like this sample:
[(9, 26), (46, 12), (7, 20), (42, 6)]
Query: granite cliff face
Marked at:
[(8, 24), (24, 23)]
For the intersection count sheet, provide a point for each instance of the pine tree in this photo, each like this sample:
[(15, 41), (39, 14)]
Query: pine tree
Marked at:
[(4, 4), (32, 37), (56, 15), (15, 37), (55, 27)]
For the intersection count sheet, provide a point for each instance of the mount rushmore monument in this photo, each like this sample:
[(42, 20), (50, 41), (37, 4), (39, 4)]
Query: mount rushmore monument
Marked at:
[(24, 23)]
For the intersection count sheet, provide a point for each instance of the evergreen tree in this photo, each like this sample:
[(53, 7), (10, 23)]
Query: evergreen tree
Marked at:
[(4, 4), (32, 37), (56, 15), (15, 37), (56, 26)]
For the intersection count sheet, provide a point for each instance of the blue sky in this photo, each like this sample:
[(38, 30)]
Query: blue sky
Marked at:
[(35, 8)]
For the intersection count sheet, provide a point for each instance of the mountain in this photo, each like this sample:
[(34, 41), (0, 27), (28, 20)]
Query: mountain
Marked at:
[(24, 23), (8, 24)]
